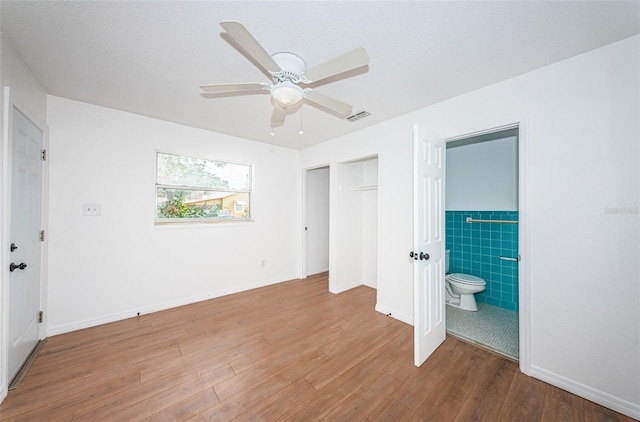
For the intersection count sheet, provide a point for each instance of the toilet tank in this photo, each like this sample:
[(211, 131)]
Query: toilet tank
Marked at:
[(446, 261)]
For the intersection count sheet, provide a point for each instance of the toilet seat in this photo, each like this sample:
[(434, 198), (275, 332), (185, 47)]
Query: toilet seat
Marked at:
[(466, 279)]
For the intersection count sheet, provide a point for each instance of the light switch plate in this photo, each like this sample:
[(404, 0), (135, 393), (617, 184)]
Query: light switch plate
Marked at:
[(91, 210)]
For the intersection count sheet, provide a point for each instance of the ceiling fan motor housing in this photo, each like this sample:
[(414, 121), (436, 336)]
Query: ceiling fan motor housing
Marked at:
[(292, 67), (285, 89)]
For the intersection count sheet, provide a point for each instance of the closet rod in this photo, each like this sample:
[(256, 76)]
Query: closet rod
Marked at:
[(472, 220)]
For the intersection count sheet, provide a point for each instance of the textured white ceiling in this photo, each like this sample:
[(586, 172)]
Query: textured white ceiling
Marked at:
[(150, 57)]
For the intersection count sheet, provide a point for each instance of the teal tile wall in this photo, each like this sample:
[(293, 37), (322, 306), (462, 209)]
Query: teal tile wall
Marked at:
[(475, 248)]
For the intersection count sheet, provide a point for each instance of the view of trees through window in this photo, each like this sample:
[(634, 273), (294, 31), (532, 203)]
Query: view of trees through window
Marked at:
[(194, 188)]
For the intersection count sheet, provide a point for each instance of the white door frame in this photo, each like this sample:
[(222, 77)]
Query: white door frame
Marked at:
[(524, 229), (12, 100)]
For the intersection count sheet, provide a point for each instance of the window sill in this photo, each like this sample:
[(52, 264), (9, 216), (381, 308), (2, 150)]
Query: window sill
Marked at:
[(192, 223)]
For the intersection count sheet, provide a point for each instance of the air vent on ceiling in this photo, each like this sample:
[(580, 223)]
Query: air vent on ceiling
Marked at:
[(359, 115)]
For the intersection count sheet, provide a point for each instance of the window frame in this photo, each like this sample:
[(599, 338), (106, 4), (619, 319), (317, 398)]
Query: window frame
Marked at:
[(203, 220)]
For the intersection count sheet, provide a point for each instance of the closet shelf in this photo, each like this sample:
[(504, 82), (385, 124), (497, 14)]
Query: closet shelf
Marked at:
[(364, 187)]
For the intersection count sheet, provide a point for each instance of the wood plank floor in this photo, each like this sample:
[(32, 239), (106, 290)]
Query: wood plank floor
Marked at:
[(287, 352)]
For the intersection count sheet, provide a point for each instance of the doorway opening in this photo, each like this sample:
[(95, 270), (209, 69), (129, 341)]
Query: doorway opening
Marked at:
[(482, 237), (316, 226), (340, 232)]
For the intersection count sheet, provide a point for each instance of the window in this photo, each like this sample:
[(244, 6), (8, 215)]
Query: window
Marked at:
[(239, 206), (196, 189)]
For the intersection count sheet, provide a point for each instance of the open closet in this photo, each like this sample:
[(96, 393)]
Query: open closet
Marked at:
[(357, 225)]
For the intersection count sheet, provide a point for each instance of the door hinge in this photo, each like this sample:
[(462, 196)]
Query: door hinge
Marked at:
[(44, 155), (42, 235), (40, 316)]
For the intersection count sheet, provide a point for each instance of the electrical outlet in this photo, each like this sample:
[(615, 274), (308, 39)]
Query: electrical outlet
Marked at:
[(263, 263), (91, 210)]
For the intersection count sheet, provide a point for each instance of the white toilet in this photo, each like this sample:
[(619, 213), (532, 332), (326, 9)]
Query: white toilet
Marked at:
[(460, 288)]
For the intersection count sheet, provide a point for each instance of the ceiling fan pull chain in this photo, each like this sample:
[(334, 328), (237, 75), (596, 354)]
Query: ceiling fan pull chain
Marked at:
[(301, 132)]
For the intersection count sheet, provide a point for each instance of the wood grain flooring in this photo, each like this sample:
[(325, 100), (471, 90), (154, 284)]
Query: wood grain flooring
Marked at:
[(287, 352)]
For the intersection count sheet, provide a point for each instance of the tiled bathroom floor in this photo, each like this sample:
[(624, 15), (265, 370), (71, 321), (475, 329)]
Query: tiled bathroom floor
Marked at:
[(492, 327)]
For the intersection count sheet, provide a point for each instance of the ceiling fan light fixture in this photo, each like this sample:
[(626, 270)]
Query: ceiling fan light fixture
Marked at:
[(287, 93)]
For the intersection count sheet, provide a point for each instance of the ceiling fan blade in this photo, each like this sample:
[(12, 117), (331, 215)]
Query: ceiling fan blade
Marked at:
[(350, 60), (231, 88), (337, 106), (278, 115), (243, 37)]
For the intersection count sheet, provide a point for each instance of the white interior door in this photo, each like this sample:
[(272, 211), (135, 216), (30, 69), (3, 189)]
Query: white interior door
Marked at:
[(428, 241), (25, 226)]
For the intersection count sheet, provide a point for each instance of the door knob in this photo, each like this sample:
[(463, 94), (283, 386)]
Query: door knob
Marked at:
[(424, 256), (413, 255), (14, 266)]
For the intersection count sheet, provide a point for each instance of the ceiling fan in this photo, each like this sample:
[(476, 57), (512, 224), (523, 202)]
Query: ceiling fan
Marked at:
[(288, 72)]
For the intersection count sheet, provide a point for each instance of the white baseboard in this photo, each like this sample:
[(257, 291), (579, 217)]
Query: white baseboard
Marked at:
[(317, 271), (92, 322), (372, 284), (400, 317), (607, 400), (344, 288)]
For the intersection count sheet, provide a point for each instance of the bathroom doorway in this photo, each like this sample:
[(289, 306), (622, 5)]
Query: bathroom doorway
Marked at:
[(482, 232)]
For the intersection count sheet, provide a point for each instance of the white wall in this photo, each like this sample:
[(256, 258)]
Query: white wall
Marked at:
[(112, 266), (26, 94), (317, 213), (582, 159), (483, 176)]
